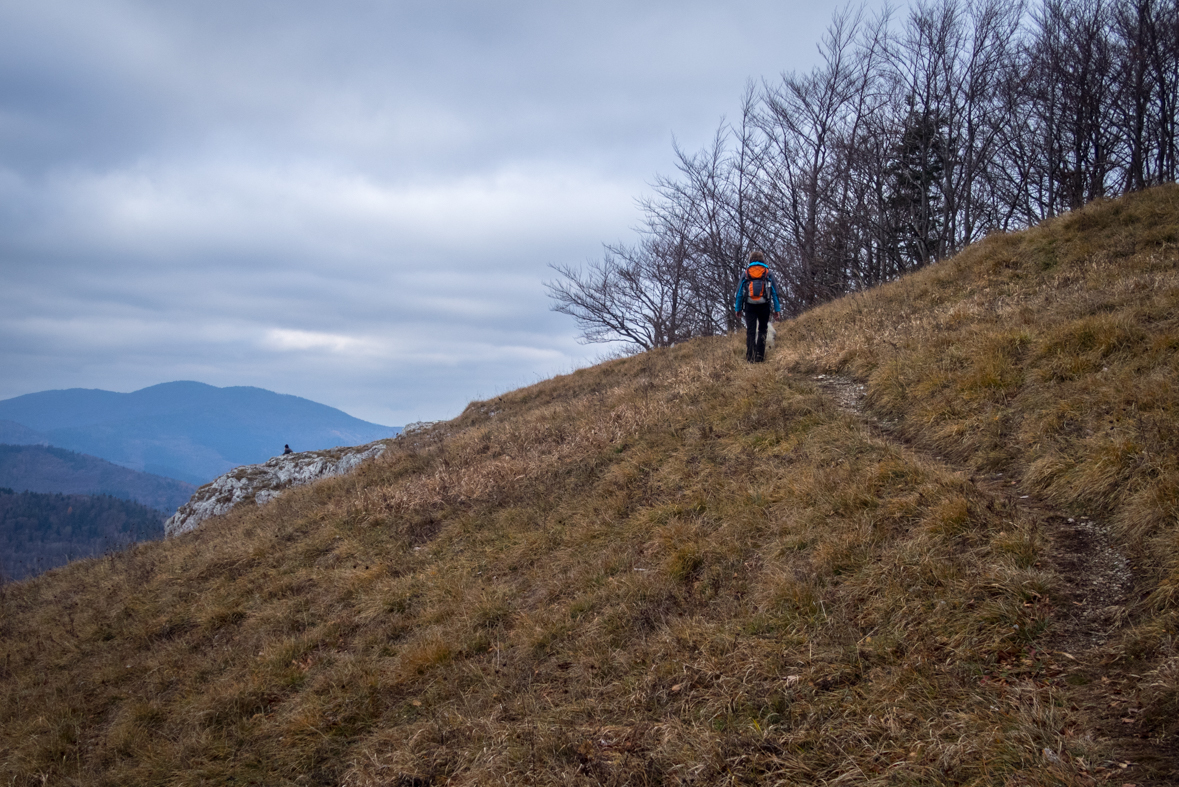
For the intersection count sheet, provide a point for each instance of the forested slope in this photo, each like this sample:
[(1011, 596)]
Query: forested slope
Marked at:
[(42, 468), (42, 531)]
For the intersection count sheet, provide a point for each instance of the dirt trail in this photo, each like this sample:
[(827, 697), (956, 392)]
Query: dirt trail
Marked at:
[(1096, 586)]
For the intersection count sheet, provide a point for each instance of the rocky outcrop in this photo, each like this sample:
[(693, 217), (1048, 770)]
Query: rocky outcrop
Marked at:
[(262, 483)]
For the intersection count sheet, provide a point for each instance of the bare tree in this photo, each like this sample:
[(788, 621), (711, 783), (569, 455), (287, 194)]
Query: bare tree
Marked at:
[(1145, 34), (1073, 93), (715, 191), (1163, 44), (804, 120), (905, 144), (635, 294)]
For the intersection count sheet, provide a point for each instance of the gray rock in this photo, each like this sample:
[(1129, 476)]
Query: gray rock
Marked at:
[(262, 483)]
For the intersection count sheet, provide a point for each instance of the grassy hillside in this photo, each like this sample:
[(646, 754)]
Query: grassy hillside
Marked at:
[(1048, 354), (678, 568)]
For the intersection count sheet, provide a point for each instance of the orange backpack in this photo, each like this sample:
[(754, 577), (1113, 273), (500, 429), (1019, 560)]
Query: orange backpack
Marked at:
[(759, 290)]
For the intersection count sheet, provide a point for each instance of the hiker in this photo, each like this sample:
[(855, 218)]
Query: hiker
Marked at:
[(286, 449), (756, 295)]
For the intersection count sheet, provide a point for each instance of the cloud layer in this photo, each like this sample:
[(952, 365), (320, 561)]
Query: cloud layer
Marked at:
[(352, 202)]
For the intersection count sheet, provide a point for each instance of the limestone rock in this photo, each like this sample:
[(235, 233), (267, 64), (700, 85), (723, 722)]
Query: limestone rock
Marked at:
[(262, 483)]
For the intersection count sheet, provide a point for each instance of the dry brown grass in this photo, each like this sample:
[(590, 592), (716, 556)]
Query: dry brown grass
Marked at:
[(673, 568), (1049, 354)]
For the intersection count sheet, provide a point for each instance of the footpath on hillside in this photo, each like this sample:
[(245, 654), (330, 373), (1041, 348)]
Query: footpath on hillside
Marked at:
[(1096, 585)]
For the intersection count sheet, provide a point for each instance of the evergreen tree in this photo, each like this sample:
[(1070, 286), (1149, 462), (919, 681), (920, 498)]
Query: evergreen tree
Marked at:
[(915, 205)]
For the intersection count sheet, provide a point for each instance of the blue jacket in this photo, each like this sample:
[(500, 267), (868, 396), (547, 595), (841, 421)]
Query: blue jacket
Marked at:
[(743, 288)]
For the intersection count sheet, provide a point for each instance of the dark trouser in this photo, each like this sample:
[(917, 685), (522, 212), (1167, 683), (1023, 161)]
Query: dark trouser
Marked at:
[(757, 321)]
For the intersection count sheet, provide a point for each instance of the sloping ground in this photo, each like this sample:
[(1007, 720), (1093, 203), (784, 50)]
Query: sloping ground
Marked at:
[(678, 568), (1044, 364)]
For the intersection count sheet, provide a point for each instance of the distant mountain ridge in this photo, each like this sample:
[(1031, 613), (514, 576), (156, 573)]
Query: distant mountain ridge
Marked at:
[(44, 469), (12, 433), (184, 430)]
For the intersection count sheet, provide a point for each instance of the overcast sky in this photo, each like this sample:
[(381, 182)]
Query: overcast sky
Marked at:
[(354, 202)]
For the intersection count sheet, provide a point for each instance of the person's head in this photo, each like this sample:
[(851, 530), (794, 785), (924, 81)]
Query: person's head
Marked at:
[(757, 264)]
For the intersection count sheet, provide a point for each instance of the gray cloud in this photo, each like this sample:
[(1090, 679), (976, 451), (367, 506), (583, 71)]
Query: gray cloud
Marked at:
[(352, 202)]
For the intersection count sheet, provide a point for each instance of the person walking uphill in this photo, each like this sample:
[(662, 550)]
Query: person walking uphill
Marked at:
[(756, 295)]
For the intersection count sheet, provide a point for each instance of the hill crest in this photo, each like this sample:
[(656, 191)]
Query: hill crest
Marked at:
[(679, 568)]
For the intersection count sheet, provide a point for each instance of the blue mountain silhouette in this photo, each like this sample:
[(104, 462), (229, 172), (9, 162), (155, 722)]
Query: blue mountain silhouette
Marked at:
[(186, 430)]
